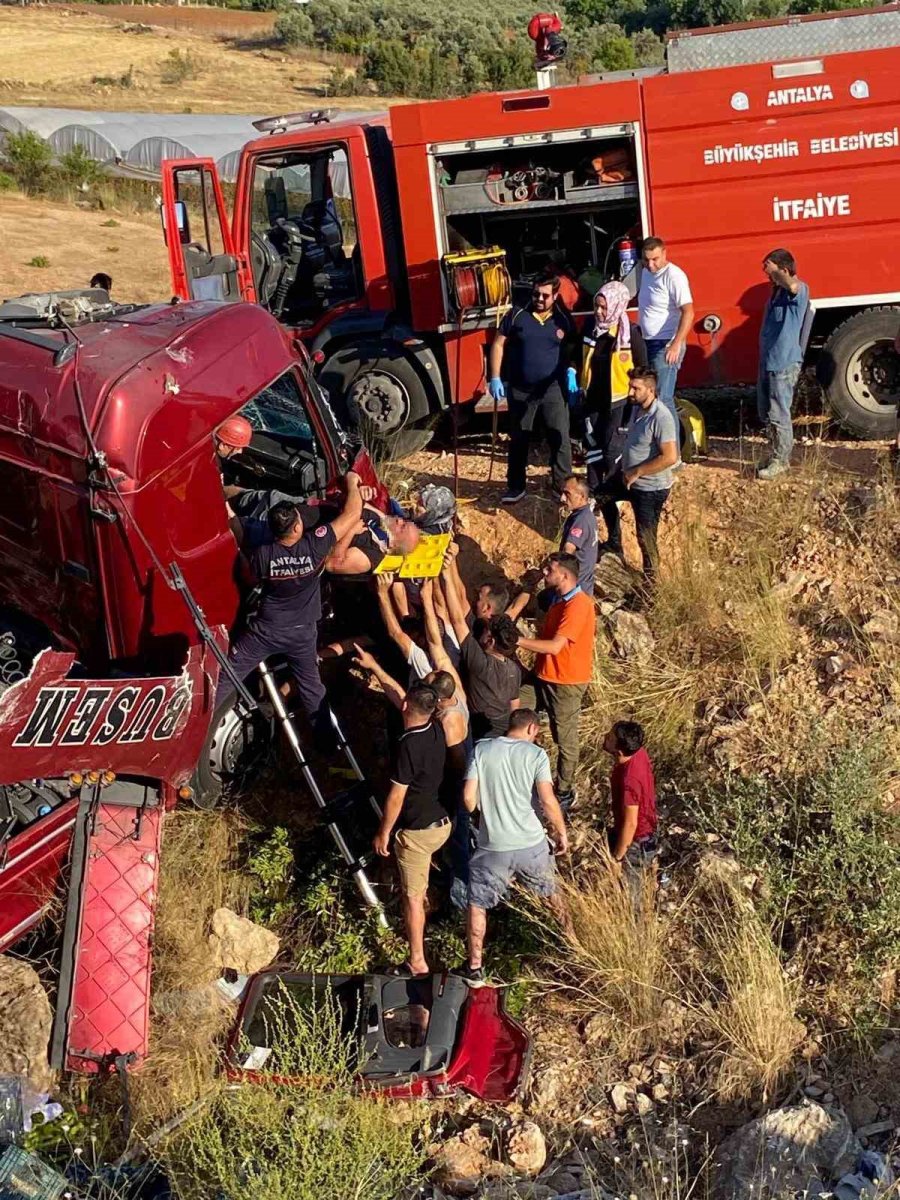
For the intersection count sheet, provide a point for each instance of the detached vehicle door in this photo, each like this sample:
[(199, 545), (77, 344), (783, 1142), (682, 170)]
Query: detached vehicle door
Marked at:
[(202, 256)]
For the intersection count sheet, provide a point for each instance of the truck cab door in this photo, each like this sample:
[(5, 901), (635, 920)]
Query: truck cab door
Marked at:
[(202, 256)]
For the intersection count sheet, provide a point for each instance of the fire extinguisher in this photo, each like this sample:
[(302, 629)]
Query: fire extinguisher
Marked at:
[(627, 257)]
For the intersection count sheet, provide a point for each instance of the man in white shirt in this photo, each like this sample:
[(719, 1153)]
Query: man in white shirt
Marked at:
[(665, 313)]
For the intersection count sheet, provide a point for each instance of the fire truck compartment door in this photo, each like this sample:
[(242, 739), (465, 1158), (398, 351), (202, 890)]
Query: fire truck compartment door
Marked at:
[(202, 257)]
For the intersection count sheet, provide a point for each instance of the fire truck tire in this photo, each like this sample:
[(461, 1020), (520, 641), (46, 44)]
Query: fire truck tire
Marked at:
[(860, 372), (234, 746), (379, 394)]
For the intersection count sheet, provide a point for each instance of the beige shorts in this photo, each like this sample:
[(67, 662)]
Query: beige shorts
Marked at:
[(414, 848)]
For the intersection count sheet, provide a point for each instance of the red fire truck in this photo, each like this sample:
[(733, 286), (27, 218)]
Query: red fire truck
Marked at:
[(392, 243)]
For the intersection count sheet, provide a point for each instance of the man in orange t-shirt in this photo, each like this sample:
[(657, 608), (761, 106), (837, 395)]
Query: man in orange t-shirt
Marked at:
[(564, 664)]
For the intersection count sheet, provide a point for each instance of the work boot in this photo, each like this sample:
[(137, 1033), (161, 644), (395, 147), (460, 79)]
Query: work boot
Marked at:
[(772, 471), (512, 497)]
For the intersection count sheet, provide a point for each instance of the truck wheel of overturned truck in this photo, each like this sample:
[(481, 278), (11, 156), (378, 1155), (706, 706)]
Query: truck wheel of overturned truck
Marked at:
[(860, 372), (379, 395), (235, 747)]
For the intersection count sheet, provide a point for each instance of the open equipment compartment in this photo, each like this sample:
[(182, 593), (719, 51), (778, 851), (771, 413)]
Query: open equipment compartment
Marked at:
[(563, 201)]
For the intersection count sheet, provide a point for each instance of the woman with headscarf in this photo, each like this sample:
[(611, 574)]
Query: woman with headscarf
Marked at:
[(612, 347)]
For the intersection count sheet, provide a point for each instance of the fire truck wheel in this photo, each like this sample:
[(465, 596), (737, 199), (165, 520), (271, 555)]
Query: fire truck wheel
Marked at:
[(380, 395), (860, 372), (235, 747)]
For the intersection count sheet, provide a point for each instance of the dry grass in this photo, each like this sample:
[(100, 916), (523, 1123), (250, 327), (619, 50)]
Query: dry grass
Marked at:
[(78, 244), (743, 993), (188, 1019), (721, 615), (616, 959), (51, 55)]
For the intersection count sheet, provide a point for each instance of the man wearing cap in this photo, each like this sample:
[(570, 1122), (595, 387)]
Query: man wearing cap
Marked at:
[(289, 566)]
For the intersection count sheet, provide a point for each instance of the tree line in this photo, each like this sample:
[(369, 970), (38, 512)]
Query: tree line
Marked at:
[(408, 48)]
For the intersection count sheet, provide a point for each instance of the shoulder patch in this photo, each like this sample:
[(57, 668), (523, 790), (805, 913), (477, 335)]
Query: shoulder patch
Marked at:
[(560, 333), (321, 531), (577, 531)]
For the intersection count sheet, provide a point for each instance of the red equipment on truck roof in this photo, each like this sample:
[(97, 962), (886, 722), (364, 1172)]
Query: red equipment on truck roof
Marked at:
[(392, 244)]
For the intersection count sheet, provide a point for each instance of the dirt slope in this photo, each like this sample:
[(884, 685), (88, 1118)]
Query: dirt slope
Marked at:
[(77, 243), (49, 56)]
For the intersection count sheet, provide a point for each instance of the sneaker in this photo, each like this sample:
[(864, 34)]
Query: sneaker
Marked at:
[(772, 471), (609, 548), (511, 497), (473, 976)]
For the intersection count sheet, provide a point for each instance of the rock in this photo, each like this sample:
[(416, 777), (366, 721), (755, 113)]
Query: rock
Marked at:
[(25, 1022), (535, 1191), (632, 636), (814, 1091), (875, 1128), (883, 624), (461, 1162), (561, 1182), (781, 1152), (240, 944), (644, 1104), (619, 1097), (526, 1149), (613, 580), (660, 1092)]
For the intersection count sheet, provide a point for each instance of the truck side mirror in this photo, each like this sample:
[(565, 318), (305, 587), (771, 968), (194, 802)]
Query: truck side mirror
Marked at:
[(181, 218)]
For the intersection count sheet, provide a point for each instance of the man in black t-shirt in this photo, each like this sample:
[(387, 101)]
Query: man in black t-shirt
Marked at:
[(288, 567), (414, 807), (532, 349)]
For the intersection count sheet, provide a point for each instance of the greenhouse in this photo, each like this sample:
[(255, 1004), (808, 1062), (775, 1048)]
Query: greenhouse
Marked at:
[(135, 143)]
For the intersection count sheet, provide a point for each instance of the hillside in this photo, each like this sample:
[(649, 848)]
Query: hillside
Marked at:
[(56, 57)]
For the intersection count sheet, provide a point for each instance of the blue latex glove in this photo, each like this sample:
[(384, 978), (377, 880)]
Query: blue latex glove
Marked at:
[(571, 381), (496, 388)]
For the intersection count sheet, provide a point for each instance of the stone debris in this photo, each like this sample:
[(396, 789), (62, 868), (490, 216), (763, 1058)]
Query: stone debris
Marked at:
[(526, 1150), (241, 945), (619, 1097), (632, 636), (25, 1023), (643, 1104), (783, 1152)]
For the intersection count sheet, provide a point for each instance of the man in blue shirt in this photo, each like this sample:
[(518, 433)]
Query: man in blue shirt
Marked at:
[(780, 357), (579, 532), (531, 347)]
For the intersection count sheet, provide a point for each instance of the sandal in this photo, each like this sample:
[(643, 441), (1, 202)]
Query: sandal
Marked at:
[(404, 971)]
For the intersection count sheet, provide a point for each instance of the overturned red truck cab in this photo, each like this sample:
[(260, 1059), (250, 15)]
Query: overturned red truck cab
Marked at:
[(113, 517)]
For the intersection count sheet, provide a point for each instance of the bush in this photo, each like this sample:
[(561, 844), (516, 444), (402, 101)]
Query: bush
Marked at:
[(120, 81), (829, 851), (29, 158), (179, 66), (79, 168), (294, 29), (39, 260), (7, 182)]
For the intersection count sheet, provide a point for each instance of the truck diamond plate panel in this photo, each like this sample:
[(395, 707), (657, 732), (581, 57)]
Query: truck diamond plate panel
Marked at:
[(777, 41), (111, 996)]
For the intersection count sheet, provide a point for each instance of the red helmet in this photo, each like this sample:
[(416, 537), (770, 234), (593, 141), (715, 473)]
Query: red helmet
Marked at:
[(236, 432)]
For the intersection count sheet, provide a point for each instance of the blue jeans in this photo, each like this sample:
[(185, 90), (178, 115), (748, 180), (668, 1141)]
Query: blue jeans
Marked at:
[(666, 375), (774, 399)]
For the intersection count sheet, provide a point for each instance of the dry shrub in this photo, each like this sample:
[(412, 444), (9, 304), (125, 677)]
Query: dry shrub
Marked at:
[(187, 1017), (743, 992), (615, 957), (720, 614)]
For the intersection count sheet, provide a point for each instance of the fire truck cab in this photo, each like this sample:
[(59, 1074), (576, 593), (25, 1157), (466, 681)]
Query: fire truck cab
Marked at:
[(393, 243)]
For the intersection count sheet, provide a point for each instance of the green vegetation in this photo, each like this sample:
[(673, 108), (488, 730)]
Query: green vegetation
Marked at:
[(82, 170), (39, 260), (179, 66), (405, 49), (829, 850), (315, 1139), (29, 159)]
